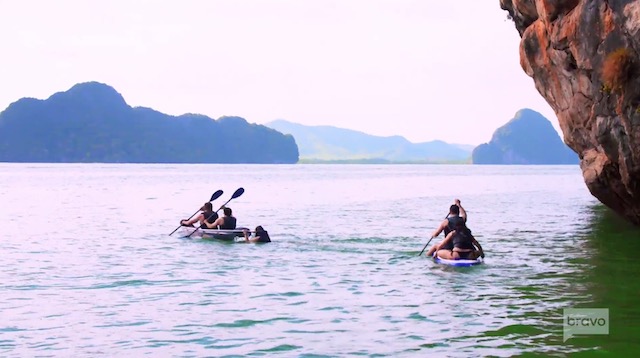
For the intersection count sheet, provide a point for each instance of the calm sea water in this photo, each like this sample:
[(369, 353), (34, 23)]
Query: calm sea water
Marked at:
[(88, 268)]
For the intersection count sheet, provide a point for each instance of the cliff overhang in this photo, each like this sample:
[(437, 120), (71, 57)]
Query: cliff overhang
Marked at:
[(583, 56)]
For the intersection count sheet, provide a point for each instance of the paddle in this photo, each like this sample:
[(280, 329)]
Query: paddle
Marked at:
[(214, 196), (425, 246), (235, 195)]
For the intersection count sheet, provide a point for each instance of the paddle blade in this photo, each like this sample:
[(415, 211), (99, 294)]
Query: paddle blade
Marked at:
[(237, 193), (216, 195)]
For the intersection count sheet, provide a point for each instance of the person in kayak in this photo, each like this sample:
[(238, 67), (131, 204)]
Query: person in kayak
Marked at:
[(261, 235), (227, 222), (206, 215), (456, 215)]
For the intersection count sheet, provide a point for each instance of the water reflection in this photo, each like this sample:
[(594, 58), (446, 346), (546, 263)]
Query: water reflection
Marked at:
[(594, 265), (612, 282)]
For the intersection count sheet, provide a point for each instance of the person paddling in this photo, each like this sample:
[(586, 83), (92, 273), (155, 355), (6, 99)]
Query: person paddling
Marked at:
[(227, 222), (206, 215), (456, 215), (463, 245)]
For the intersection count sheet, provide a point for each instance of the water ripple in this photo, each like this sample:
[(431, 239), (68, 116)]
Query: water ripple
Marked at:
[(342, 277)]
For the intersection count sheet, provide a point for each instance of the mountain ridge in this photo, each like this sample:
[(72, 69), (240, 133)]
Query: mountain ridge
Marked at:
[(91, 122), (527, 138), (331, 143)]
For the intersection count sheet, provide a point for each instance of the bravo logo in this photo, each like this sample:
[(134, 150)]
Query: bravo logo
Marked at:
[(583, 321)]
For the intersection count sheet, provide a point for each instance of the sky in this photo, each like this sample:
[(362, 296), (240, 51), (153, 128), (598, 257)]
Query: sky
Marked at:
[(422, 69)]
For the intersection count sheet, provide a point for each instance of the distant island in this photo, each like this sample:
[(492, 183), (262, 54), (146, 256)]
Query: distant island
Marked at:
[(91, 122), (328, 144), (528, 138)]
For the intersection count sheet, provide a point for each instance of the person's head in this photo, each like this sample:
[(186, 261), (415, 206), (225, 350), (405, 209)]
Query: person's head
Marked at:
[(454, 210), (227, 211), (263, 234), (207, 207)]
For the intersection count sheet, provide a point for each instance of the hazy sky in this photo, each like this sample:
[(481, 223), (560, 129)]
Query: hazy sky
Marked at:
[(423, 69)]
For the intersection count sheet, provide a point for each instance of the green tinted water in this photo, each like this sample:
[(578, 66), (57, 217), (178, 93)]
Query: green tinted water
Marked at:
[(88, 267)]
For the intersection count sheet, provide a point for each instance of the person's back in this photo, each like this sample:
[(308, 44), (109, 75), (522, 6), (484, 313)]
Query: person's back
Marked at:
[(453, 220), (262, 235), (462, 238), (228, 221), (457, 215), (210, 217), (206, 215)]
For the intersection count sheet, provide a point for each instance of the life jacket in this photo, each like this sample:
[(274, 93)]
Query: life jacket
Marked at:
[(453, 222), (210, 217), (228, 223), (463, 238), (264, 236)]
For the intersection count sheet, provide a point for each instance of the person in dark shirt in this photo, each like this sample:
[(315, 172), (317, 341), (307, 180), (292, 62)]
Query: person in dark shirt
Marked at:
[(456, 215), (227, 222), (261, 235), (463, 245), (206, 215)]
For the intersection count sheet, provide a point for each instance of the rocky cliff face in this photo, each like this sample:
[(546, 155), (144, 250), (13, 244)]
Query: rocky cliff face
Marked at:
[(584, 58)]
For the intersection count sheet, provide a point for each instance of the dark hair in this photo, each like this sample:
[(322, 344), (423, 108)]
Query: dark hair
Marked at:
[(454, 209), (227, 211), (263, 234), (207, 206)]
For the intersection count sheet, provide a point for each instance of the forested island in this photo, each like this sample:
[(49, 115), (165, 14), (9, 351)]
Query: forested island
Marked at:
[(92, 123)]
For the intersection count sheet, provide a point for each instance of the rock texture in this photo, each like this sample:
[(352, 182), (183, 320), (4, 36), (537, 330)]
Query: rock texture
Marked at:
[(528, 138), (584, 58)]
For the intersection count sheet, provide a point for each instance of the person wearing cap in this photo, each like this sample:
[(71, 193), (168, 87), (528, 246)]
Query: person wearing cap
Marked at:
[(206, 215)]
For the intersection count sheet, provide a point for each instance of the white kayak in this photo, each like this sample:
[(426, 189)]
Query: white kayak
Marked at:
[(223, 235), (459, 263)]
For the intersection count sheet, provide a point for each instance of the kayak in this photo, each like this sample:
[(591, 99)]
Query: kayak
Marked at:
[(223, 235), (459, 263)]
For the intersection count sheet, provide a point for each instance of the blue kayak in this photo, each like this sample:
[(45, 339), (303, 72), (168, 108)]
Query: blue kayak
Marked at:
[(459, 263)]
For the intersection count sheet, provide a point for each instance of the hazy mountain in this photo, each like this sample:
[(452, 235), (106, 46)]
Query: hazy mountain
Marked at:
[(528, 138), (332, 143), (466, 147), (91, 122)]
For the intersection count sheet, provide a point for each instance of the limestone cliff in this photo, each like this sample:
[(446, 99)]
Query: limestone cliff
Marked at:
[(584, 58)]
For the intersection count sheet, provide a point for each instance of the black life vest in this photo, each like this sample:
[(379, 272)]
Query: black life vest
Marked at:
[(453, 222), (228, 223), (263, 236), (210, 217), (463, 239)]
